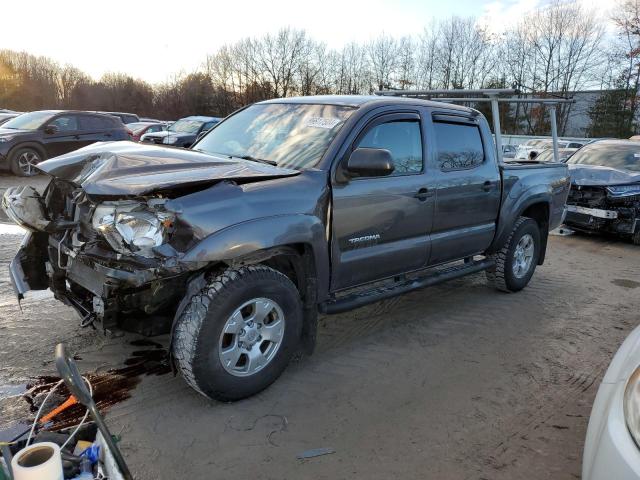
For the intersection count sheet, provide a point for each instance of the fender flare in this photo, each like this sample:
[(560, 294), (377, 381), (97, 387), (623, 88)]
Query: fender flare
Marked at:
[(244, 239), (512, 209)]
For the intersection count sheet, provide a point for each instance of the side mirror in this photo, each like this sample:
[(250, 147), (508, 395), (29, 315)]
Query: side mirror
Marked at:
[(50, 129), (370, 162)]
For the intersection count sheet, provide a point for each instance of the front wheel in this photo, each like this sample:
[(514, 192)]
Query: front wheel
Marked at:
[(236, 336), (23, 161), (517, 259)]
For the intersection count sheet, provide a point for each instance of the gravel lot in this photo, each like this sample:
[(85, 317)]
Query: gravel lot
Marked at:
[(456, 381)]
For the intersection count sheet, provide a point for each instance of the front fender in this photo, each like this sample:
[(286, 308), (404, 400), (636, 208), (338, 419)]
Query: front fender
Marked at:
[(249, 237)]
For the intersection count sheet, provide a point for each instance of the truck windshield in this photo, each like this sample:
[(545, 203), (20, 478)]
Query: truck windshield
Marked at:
[(614, 155), (28, 121), (291, 135)]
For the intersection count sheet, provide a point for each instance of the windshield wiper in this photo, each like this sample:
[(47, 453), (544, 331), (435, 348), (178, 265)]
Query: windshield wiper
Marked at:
[(260, 160), (251, 158)]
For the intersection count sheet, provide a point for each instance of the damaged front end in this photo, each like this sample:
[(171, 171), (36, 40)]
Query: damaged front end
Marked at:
[(110, 261), (108, 235), (605, 208)]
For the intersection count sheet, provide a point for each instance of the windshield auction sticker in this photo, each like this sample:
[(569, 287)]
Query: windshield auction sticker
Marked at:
[(319, 122)]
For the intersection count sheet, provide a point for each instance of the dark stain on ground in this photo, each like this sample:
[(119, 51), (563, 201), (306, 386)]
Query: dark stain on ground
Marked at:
[(109, 388), (145, 342), (625, 283)]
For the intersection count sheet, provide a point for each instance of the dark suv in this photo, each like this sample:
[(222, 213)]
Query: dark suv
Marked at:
[(35, 136)]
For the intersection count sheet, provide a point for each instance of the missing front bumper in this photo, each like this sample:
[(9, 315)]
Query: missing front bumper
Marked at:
[(141, 301)]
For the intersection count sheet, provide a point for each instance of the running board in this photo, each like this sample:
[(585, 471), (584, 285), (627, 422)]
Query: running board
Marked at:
[(359, 299)]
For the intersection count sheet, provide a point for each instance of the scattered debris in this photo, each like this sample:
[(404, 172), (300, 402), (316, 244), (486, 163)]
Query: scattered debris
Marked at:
[(316, 452), (562, 231)]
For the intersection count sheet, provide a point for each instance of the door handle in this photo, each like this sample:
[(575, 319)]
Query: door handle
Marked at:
[(423, 194), (487, 186), (76, 137)]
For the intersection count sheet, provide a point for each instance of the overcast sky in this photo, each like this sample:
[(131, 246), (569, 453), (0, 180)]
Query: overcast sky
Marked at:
[(152, 39)]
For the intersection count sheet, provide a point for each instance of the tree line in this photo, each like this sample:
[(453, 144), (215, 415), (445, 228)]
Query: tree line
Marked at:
[(554, 50)]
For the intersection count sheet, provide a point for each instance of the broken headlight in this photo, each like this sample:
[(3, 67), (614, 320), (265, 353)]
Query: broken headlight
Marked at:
[(631, 405), (131, 227)]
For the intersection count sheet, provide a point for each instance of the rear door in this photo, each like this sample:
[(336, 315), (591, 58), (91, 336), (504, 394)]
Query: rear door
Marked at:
[(66, 137), (381, 225), (96, 128), (468, 188)]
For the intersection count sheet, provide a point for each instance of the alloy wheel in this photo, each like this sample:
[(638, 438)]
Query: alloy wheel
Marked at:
[(523, 256), (27, 161), (251, 337)]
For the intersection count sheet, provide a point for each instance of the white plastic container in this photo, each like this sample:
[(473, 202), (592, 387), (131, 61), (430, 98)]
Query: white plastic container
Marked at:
[(40, 461)]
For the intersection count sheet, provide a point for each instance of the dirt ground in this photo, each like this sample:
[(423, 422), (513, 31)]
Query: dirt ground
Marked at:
[(453, 382)]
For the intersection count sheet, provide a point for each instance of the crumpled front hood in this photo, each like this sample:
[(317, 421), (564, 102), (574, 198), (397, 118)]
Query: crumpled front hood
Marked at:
[(121, 169), (597, 175)]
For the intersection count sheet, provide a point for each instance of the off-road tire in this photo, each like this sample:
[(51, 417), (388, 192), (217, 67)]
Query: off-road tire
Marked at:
[(197, 331), (501, 274), (635, 238), (14, 160)]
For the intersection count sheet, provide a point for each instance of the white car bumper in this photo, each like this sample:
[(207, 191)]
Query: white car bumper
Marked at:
[(609, 451)]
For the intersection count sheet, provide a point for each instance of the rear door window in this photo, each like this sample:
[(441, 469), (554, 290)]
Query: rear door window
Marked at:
[(94, 122), (459, 146)]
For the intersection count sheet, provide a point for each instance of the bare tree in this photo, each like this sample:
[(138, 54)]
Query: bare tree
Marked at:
[(383, 57)]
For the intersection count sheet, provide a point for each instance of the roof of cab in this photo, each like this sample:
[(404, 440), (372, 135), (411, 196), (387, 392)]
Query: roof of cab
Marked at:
[(360, 100)]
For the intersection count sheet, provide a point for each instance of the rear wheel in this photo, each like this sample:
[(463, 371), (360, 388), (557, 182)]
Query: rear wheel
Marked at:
[(517, 259), (23, 160), (236, 336), (636, 238)]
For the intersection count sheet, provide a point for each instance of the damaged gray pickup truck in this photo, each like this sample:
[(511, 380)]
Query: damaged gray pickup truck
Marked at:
[(286, 208)]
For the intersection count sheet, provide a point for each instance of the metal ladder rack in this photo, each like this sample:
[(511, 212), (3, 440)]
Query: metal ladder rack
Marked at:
[(491, 95)]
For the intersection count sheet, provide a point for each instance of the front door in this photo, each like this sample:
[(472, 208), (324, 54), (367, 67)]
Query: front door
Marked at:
[(381, 225), (66, 137)]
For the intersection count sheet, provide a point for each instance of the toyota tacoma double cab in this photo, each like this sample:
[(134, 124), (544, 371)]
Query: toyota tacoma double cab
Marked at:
[(285, 209)]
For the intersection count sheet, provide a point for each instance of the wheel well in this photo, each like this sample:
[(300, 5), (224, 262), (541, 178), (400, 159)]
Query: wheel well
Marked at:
[(295, 261), (540, 213), (34, 145), (298, 264)]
